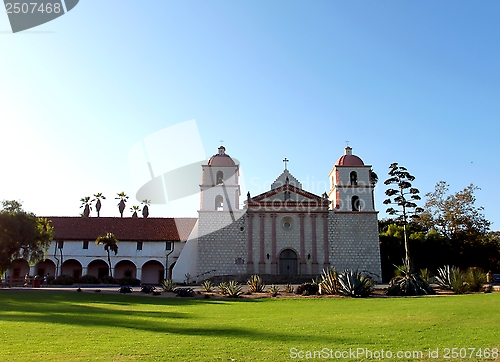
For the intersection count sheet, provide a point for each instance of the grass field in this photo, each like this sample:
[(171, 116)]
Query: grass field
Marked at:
[(69, 326)]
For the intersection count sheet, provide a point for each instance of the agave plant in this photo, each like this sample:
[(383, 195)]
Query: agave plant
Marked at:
[(409, 284), (168, 285), (274, 290), (329, 282), (207, 286), (426, 275), (255, 284), (288, 288), (234, 289), (222, 288), (445, 276), (355, 284)]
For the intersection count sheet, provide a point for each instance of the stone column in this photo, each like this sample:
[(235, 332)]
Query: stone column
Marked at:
[(84, 270), (138, 273), (262, 261), (274, 261), (303, 267), (326, 244), (314, 245), (250, 244)]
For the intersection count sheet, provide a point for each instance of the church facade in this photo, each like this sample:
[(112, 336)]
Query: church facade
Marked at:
[(286, 231)]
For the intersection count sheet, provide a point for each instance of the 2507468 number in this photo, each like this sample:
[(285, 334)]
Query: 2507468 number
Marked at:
[(455, 353), (25, 8)]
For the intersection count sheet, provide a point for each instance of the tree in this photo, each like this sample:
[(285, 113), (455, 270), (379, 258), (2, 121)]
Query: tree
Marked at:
[(110, 244), (123, 199), (457, 218), (22, 235), (145, 208), (98, 197), (428, 248), (134, 209), (404, 196), (86, 202), (454, 216)]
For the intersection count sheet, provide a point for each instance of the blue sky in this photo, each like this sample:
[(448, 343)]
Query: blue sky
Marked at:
[(409, 82)]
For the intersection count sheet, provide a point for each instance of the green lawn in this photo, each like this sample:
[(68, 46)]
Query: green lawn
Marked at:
[(68, 326)]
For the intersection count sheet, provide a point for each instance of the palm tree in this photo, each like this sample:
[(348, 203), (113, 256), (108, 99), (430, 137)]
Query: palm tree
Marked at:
[(135, 208), (110, 243), (99, 196), (86, 205), (145, 209), (122, 196)]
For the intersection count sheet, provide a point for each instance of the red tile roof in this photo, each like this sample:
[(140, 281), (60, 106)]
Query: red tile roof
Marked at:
[(125, 229)]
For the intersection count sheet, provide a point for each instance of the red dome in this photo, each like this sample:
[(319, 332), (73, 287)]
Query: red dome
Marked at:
[(348, 159), (221, 159)]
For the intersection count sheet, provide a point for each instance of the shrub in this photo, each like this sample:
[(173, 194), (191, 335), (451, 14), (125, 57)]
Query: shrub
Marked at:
[(222, 288), (50, 279), (329, 283), (108, 280), (88, 279), (444, 277), (147, 289), (274, 290), (355, 284), (288, 288), (184, 292), (475, 279), (255, 284), (307, 289), (129, 281), (207, 286), (125, 290), (168, 285), (64, 280), (234, 289)]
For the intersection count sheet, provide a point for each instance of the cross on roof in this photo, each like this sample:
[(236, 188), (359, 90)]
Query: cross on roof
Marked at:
[(285, 161), (347, 143)]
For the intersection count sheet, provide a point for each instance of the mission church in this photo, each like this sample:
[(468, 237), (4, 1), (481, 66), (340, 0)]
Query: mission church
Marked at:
[(286, 232)]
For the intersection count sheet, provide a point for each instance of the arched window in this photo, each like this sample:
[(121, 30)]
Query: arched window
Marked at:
[(219, 177), (219, 203), (354, 178), (355, 203)]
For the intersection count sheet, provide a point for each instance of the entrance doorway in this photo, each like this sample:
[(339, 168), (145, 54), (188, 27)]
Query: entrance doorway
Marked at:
[(288, 262)]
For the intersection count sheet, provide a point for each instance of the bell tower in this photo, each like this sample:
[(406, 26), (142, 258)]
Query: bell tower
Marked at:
[(220, 190), (351, 184)]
